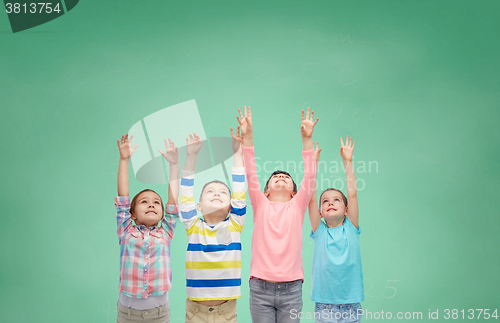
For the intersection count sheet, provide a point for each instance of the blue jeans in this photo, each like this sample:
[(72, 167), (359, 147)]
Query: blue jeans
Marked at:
[(338, 313), (275, 302)]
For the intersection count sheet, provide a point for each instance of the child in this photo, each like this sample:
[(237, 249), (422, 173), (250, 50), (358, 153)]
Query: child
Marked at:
[(276, 273), (337, 285), (145, 275), (213, 258)]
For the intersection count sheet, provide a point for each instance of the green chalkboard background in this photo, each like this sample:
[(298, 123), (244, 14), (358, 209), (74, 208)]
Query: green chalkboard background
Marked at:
[(416, 83)]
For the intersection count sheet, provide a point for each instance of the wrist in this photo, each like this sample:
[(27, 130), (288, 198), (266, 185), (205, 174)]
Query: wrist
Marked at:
[(124, 159)]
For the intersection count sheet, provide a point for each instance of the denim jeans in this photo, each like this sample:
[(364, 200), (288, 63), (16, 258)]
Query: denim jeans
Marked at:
[(275, 302), (338, 313)]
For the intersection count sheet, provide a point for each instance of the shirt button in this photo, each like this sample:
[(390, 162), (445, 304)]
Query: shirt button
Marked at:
[(279, 286)]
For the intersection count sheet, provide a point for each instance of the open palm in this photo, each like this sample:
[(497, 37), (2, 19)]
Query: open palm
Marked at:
[(347, 149)]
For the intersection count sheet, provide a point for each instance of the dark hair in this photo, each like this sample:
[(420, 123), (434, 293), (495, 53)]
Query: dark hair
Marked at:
[(333, 189), (277, 172), (134, 200), (217, 182)]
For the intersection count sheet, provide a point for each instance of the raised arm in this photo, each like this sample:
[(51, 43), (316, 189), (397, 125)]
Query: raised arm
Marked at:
[(126, 151), (237, 147), (187, 205), (171, 155), (246, 127), (314, 215), (246, 139), (193, 146), (308, 181), (306, 130), (346, 152)]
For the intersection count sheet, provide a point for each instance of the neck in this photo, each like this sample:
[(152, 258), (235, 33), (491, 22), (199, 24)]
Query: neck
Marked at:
[(278, 196), (215, 217), (335, 221)]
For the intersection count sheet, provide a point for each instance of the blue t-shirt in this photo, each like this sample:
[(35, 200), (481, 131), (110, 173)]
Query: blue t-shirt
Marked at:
[(337, 277)]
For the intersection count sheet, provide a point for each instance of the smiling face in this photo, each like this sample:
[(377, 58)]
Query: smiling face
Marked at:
[(148, 209), (215, 198), (332, 204)]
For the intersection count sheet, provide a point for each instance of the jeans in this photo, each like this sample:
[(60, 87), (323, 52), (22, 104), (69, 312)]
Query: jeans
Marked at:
[(275, 302), (338, 313)]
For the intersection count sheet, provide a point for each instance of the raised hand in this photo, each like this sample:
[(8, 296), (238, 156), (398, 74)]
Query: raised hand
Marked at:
[(317, 152), (347, 149), (237, 140), (171, 153), (245, 122), (307, 127), (193, 144), (125, 147)]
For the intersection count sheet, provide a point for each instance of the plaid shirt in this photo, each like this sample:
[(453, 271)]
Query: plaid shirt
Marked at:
[(144, 252)]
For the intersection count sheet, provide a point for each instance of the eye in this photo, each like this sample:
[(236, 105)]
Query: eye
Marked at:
[(337, 200), (325, 201), (143, 201), (224, 192), (157, 202)]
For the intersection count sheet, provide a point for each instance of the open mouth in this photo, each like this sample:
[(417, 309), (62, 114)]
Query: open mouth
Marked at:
[(331, 209), (148, 212), (218, 200)]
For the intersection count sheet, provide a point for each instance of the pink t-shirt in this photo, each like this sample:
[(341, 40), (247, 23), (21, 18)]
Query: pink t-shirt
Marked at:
[(277, 234)]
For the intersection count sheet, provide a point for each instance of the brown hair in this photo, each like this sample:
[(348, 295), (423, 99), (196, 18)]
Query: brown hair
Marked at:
[(277, 172), (134, 200), (217, 182), (333, 189)]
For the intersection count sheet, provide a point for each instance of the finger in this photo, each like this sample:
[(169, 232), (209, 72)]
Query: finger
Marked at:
[(238, 131), (354, 144), (118, 142), (315, 122), (232, 134), (187, 141), (130, 140), (171, 143), (239, 121), (341, 143), (161, 152), (241, 116), (317, 145), (133, 149), (246, 112), (347, 141), (190, 137), (312, 115), (196, 137), (126, 137), (249, 112), (302, 114), (307, 114), (123, 138)]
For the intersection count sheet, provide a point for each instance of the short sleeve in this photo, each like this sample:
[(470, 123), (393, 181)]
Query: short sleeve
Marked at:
[(352, 227), (319, 231)]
